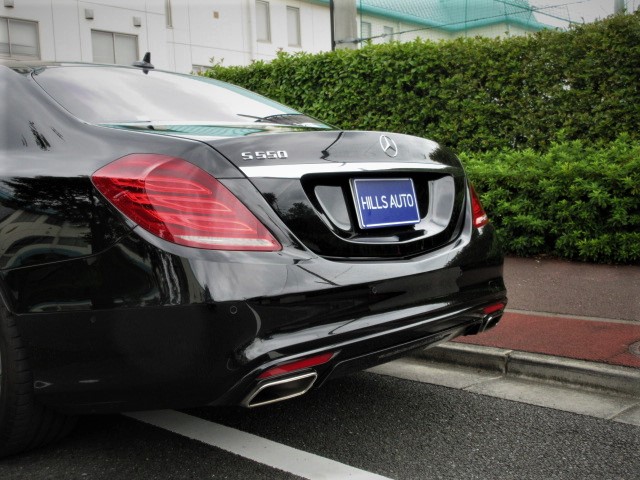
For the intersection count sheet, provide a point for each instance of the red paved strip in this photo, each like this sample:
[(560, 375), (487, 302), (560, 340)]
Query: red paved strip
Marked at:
[(596, 341)]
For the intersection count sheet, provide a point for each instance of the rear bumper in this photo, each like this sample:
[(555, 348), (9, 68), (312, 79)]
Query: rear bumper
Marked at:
[(162, 361), (369, 351), (199, 331)]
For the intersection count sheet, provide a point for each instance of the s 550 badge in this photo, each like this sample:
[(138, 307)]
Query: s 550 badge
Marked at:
[(266, 155)]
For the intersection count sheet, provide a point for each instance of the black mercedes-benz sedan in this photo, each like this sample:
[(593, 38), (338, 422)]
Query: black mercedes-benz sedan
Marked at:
[(169, 240)]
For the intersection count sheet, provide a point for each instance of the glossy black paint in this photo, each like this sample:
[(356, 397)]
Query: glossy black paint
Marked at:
[(117, 319), (330, 160)]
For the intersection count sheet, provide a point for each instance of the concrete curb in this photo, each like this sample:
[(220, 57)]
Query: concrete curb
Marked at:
[(591, 375)]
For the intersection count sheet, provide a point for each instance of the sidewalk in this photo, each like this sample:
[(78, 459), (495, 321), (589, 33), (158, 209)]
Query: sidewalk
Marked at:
[(571, 322), (603, 341)]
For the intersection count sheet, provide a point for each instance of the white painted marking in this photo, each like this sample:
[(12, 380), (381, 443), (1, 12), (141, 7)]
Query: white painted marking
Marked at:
[(255, 448)]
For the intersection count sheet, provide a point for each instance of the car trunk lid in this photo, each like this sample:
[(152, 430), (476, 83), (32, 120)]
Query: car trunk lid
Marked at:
[(351, 194)]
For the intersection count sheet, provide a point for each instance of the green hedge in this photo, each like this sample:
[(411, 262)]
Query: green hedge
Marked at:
[(470, 94), (549, 123), (574, 201)]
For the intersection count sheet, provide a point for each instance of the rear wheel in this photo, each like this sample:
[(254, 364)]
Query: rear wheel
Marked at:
[(24, 424)]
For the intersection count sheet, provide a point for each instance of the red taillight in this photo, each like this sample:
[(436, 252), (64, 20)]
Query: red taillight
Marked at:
[(297, 365), (480, 218), (496, 307), (181, 203)]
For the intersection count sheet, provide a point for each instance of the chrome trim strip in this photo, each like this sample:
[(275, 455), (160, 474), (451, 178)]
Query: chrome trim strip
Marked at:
[(298, 170)]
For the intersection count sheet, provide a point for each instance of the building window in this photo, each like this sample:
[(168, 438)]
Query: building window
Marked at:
[(365, 31), (167, 13), (263, 21), (388, 31), (293, 26), (109, 47), (19, 38)]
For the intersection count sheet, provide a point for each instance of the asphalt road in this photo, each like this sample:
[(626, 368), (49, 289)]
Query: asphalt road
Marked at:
[(387, 426)]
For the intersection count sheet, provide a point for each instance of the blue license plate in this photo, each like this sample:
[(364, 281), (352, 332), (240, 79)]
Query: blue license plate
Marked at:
[(385, 202)]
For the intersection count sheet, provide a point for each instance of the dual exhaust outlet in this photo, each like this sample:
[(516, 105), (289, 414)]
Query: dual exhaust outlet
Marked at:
[(489, 321), (492, 315), (279, 389), (286, 380), (295, 378)]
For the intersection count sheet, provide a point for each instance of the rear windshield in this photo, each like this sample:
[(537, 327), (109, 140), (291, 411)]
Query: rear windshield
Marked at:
[(117, 95)]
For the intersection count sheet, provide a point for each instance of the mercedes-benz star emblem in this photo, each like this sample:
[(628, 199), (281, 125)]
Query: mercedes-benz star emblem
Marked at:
[(388, 146)]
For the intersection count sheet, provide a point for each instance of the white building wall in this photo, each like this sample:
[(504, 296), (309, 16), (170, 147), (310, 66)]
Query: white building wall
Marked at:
[(209, 30), (65, 33), (201, 31), (315, 29), (224, 31), (118, 16), (34, 10), (498, 30), (413, 31), (318, 28), (64, 44)]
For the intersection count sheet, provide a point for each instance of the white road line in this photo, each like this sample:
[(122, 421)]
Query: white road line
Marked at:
[(267, 452)]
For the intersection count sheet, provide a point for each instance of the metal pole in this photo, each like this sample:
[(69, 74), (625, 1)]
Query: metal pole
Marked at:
[(333, 25), (618, 6)]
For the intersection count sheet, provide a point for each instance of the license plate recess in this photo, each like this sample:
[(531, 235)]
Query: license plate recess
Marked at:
[(385, 202)]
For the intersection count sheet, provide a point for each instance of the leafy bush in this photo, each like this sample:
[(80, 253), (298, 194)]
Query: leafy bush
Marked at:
[(472, 94), (549, 123), (574, 201)]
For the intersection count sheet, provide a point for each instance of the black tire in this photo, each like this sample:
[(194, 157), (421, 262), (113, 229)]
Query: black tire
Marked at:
[(24, 424)]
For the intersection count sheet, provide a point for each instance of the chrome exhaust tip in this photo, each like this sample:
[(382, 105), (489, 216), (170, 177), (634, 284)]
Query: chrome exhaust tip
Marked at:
[(277, 390), (489, 322)]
